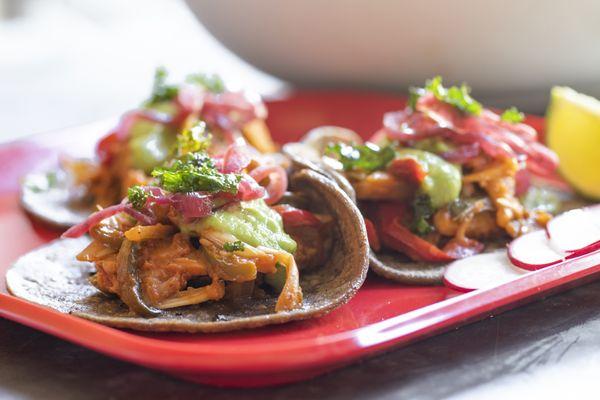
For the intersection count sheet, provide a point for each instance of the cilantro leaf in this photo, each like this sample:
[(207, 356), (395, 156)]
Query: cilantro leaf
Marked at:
[(457, 96), (195, 172), (193, 140), (368, 157), (211, 82), (414, 93), (137, 196), (161, 91), (422, 211), (434, 86), (238, 245), (512, 115)]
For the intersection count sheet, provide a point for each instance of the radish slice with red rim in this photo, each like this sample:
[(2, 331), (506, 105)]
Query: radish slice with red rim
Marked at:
[(593, 212), (534, 251), (481, 271), (575, 230)]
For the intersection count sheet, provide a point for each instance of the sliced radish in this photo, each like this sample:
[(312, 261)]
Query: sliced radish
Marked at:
[(575, 230), (481, 271), (534, 251), (593, 212)]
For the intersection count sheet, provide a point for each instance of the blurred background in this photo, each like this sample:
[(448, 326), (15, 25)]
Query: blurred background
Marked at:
[(66, 62)]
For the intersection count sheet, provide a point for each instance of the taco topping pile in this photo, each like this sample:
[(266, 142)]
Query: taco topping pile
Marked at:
[(445, 174), (144, 137), (205, 228)]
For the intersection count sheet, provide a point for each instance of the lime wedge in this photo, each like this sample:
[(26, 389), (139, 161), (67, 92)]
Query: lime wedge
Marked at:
[(573, 132)]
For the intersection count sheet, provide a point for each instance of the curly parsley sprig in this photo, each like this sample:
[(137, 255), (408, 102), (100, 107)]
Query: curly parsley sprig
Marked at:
[(512, 115), (195, 172), (137, 196), (367, 158), (193, 140), (458, 96), (162, 91), (211, 82)]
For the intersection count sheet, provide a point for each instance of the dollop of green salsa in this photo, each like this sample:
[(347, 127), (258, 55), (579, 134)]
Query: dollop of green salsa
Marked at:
[(443, 181), (251, 222), (150, 143)]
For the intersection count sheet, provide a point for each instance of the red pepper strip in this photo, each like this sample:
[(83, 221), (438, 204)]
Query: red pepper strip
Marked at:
[(463, 248), (407, 169), (372, 235), (293, 216), (398, 237), (103, 147)]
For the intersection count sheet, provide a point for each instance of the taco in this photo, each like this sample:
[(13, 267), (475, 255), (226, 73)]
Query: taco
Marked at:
[(443, 179), (143, 140), (204, 247)]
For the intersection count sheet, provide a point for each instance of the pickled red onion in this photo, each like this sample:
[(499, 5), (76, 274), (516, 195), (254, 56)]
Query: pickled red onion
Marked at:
[(293, 216), (94, 219), (277, 181), (235, 159), (192, 205), (462, 154)]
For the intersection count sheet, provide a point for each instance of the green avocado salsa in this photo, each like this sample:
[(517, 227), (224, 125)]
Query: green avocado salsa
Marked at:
[(443, 181), (150, 142), (251, 222)]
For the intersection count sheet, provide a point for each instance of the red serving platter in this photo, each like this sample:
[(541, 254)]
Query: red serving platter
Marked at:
[(381, 316)]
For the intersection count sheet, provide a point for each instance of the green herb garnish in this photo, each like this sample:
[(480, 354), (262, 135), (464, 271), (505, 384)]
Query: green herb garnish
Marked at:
[(368, 157), (211, 82), (195, 172), (193, 140), (422, 211), (137, 196), (413, 96), (161, 91), (458, 96), (512, 115), (238, 245), (459, 208)]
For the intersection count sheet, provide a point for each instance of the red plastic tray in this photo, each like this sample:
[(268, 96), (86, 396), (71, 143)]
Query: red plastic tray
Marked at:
[(382, 315)]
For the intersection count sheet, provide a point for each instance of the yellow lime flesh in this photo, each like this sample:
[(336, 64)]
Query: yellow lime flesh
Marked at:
[(573, 132)]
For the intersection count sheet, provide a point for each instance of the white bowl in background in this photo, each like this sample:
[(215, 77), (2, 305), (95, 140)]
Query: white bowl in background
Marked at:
[(510, 51)]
